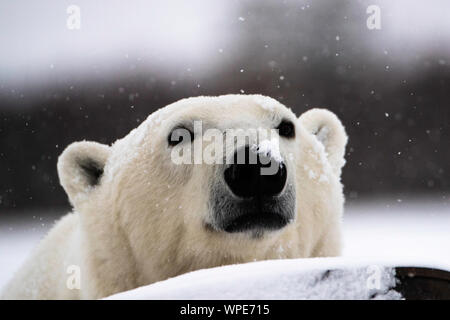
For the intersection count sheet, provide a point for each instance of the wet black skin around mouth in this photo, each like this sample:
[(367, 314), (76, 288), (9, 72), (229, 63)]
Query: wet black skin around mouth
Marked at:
[(233, 215), (260, 220)]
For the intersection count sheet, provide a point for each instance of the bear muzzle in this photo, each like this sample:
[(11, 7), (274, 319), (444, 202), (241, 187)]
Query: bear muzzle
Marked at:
[(260, 178), (254, 196)]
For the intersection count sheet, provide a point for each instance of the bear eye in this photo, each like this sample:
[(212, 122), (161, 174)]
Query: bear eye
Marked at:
[(286, 129), (180, 134)]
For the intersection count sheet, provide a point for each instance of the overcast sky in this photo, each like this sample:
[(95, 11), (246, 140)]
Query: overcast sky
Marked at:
[(35, 39)]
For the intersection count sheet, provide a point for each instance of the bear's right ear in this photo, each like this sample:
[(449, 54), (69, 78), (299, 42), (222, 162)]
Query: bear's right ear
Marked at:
[(80, 168)]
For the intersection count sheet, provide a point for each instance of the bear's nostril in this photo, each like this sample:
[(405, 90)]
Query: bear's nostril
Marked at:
[(246, 179)]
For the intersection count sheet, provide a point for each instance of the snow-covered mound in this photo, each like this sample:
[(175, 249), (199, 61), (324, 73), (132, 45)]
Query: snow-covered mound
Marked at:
[(318, 278)]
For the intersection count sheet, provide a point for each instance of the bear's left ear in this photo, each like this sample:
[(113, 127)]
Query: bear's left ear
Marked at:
[(80, 168), (329, 131)]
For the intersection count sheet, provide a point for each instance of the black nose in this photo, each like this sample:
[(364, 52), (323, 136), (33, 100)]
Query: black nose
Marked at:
[(247, 179)]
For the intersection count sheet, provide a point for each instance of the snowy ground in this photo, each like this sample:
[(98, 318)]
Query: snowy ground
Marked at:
[(298, 279), (18, 237), (390, 229), (382, 230)]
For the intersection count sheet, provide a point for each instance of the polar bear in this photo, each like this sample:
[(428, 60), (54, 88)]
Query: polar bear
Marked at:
[(138, 217)]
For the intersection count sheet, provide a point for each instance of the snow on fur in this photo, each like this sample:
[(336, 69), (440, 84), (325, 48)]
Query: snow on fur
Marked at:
[(270, 148)]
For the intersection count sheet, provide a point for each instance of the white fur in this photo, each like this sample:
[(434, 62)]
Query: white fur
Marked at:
[(143, 222)]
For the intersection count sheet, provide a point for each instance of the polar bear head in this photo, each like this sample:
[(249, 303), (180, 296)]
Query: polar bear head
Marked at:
[(170, 198)]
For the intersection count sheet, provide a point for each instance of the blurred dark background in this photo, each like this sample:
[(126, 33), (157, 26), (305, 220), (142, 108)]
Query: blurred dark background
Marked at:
[(390, 87)]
